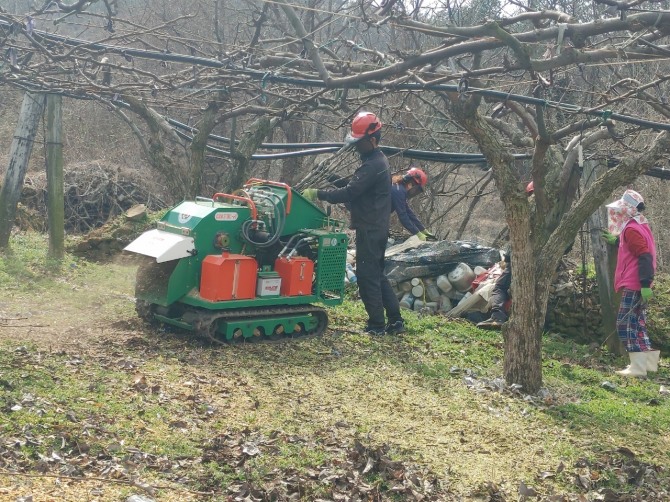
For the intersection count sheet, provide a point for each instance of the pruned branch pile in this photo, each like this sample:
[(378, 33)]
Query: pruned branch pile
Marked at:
[(94, 193)]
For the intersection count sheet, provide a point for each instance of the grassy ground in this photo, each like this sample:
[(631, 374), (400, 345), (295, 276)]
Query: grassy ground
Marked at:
[(94, 405)]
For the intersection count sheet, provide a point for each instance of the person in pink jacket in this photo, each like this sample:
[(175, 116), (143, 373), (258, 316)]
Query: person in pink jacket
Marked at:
[(634, 274)]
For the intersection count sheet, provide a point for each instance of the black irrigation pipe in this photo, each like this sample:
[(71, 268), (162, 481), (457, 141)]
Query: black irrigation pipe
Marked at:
[(659, 172), (504, 96), (122, 51), (268, 146), (269, 76), (445, 157), (304, 82), (306, 149)]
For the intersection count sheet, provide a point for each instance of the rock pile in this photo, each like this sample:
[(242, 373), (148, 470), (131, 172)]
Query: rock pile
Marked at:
[(574, 305)]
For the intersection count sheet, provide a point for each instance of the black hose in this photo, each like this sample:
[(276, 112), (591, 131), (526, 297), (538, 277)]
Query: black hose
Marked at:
[(280, 218)]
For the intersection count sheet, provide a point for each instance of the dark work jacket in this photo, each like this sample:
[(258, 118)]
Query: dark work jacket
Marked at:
[(405, 214), (368, 193)]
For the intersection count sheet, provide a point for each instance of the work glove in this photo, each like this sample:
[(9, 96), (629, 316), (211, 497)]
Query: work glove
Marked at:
[(310, 194), (610, 238), (646, 293), (429, 235), (420, 235)]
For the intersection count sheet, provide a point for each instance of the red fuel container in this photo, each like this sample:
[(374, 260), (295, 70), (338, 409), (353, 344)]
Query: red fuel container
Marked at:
[(228, 277), (296, 275)]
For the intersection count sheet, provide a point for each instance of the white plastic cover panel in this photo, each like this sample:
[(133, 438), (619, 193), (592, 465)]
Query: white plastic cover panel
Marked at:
[(164, 246)]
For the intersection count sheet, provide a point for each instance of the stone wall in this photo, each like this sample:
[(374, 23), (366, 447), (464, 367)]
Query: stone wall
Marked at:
[(574, 306)]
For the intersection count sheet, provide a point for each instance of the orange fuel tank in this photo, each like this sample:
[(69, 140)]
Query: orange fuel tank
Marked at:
[(228, 277), (296, 275)]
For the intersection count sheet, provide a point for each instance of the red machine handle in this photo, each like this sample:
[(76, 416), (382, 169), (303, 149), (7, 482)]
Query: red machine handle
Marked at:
[(250, 203), (289, 193)]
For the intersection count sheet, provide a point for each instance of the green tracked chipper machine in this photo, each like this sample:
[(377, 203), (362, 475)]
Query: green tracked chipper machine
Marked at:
[(242, 266)]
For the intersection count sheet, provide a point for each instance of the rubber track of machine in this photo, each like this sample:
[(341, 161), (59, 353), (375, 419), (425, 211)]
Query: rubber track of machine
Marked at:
[(205, 323)]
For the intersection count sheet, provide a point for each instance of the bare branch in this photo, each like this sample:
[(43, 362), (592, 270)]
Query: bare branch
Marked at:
[(516, 137), (310, 48)]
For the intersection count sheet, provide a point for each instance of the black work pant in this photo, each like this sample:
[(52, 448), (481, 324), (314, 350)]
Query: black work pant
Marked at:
[(373, 286)]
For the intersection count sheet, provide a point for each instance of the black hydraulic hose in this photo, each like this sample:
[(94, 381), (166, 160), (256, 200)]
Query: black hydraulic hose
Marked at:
[(280, 219), (295, 248), (290, 241)]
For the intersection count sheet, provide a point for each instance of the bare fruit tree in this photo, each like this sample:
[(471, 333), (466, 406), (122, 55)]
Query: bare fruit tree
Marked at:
[(538, 87)]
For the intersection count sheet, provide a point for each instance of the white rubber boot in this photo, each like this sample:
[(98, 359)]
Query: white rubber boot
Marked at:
[(652, 359), (637, 366)]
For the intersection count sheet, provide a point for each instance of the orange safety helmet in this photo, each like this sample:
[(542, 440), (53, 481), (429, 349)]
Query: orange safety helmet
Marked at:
[(364, 124), (530, 188), (416, 175)]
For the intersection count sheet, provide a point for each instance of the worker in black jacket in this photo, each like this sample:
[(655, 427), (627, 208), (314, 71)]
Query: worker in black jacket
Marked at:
[(368, 196)]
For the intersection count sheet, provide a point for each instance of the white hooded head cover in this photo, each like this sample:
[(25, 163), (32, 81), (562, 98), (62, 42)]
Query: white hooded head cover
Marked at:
[(621, 211)]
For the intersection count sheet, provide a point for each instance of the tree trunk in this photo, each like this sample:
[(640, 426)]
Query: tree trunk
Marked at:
[(19, 155), (56, 201), (531, 276), (199, 146), (164, 149), (249, 143), (292, 167), (522, 334)]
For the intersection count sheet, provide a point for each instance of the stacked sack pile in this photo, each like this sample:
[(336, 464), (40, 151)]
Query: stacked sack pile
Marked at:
[(441, 293), (433, 277)]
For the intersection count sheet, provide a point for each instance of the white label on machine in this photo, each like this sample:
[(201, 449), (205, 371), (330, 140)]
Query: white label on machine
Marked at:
[(226, 216), (268, 286)]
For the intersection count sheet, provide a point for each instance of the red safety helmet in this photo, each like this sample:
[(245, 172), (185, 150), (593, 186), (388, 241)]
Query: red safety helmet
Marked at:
[(530, 188), (418, 176), (363, 125)]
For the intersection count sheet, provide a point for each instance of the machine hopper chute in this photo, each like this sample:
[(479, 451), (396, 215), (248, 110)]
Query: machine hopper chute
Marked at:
[(162, 245)]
